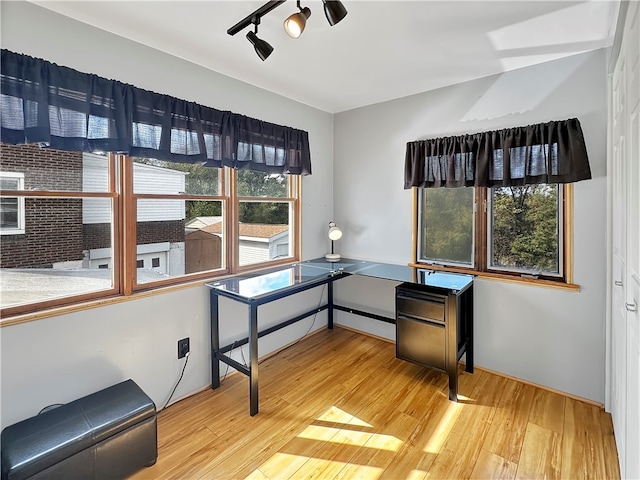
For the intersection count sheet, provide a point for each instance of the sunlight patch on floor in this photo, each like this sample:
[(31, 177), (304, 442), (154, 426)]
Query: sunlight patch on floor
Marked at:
[(337, 415), (444, 427), (416, 475), (288, 465)]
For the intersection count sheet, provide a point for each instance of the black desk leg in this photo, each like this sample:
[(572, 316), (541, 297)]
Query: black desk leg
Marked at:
[(452, 306), (215, 340), (468, 312), (253, 358), (330, 305)]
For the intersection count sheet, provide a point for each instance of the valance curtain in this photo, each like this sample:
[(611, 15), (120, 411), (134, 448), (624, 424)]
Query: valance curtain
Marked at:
[(65, 109), (552, 152)]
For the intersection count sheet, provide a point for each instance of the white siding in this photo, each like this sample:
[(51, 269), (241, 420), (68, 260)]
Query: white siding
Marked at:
[(94, 179), (253, 252), (146, 179)]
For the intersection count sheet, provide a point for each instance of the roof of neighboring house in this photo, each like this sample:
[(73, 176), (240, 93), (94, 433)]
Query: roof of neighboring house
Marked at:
[(204, 221), (256, 230)]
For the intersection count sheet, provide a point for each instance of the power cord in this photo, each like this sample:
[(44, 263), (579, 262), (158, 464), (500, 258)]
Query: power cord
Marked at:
[(233, 346), (178, 382), (244, 360), (315, 316)]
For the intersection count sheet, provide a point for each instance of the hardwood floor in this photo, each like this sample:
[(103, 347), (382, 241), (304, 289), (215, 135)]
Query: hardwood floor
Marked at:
[(339, 405)]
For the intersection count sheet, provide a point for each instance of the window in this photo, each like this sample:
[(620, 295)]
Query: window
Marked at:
[(106, 225), (518, 231), (525, 233), (11, 208), (266, 204), (446, 226), (180, 222), (503, 210), (60, 253)]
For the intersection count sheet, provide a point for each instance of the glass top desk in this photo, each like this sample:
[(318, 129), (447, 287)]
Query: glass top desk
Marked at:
[(256, 289)]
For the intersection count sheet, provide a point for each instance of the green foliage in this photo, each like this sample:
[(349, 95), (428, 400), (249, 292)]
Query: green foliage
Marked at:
[(199, 181), (259, 184), (264, 212), (199, 208), (448, 220), (205, 181), (525, 227)]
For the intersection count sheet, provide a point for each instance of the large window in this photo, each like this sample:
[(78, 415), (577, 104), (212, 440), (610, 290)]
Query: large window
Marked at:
[(88, 225), (516, 231)]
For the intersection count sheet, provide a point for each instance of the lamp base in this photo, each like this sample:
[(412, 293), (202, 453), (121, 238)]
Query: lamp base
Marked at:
[(332, 257)]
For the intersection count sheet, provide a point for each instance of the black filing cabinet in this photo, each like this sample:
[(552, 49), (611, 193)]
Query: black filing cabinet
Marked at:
[(434, 328)]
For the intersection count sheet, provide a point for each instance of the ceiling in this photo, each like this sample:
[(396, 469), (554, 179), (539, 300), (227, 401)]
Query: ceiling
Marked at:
[(382, 50)]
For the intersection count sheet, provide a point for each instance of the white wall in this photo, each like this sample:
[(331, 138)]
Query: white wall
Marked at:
[(61, 358), (547, 336)]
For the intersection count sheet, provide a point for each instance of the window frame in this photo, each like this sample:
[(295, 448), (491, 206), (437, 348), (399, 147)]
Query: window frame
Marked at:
[(293, 199), (21, 220), (527, 273), (121, 193), (481, 266)]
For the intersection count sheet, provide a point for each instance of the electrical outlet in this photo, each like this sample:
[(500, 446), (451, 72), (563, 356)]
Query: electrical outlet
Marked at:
[(183, 347)]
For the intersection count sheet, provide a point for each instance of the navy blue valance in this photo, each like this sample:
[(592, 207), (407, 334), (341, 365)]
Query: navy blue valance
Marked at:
[(62, 108)]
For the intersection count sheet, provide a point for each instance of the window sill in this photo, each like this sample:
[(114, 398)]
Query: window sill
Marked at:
[(118, 298), (560, 285)]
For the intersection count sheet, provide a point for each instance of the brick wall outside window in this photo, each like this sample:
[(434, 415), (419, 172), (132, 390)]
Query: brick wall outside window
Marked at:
[(53, 226)]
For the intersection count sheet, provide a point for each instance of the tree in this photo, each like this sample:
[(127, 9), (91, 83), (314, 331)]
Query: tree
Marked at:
[(203, 180), (259, 184), (525, 227), (448, 220)]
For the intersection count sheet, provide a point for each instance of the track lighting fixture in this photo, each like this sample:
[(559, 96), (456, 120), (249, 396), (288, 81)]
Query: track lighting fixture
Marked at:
[(293, 25), (263, 49), (334, 10)]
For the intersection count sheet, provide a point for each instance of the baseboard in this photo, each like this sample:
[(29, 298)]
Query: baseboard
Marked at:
[(351, 329), (542, 387), (367, 334), (500, 374)]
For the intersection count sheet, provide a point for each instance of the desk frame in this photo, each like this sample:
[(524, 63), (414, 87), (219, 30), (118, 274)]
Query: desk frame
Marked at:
[(218, 354)]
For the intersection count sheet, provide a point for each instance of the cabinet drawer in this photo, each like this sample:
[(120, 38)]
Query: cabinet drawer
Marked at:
[(420, 342), (421, 307)]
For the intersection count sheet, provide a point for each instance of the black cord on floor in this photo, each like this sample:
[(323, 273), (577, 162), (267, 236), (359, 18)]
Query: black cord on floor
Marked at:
[(178, 382)]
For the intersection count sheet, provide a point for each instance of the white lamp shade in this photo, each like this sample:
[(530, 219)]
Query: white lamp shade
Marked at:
[(335, 233)]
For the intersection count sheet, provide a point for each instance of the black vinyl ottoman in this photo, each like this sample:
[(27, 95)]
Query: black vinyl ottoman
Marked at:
[(108, 434)]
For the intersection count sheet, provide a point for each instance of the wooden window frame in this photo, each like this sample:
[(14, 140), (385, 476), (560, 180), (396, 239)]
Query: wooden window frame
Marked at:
[(121, 193), (293, 199), (480, 267)]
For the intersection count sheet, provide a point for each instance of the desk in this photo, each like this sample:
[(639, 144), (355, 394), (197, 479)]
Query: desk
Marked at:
[(267, 286)]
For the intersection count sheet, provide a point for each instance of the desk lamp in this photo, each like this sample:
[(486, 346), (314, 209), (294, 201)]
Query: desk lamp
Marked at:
[(334, 234)]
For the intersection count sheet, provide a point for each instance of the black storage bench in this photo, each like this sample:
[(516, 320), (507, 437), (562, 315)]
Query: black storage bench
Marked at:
[(109, 434)]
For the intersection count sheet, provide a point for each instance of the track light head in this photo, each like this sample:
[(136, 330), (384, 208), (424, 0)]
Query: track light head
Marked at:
[(263, 49), (295, 23), (334, 10)]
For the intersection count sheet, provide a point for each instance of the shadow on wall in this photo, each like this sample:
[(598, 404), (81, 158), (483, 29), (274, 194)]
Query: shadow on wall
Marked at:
[(521, 90)]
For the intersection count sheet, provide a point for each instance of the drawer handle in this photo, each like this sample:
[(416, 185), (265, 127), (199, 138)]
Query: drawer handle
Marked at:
[(426, 321), (618, 283), (631, 307)]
